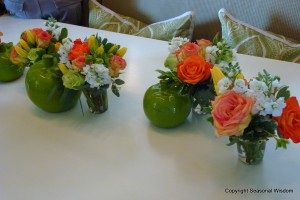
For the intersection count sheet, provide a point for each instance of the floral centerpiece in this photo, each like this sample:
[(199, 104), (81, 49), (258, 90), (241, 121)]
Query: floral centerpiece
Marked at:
[(37, 49), (189, 65), (8, 70), (92, 65), (36, 42), (251, 112)]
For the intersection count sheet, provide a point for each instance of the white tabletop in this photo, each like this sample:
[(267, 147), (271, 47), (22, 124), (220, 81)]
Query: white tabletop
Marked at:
[(119, 154)]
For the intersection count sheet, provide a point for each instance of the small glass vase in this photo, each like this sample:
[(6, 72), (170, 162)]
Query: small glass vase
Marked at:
[(96, 99), (251, 152)]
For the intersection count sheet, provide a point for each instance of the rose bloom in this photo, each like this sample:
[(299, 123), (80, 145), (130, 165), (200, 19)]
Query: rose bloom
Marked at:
[(231, 113), (78, 63), (116, 63), (187, 50), (194, 69), (43, 39), (35, 32), (203, 43), (16, 58), (79, 49), (289, 121)]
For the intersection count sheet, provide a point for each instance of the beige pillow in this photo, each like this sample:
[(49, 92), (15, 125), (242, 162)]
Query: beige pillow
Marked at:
[(247, 39), (101, 17)]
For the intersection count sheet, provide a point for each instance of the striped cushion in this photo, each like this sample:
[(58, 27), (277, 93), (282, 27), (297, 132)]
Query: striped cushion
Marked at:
[(101, 17), (247, 39)]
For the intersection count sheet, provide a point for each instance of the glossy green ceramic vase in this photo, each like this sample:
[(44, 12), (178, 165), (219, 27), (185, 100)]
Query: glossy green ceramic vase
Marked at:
[(166, 106), (45, 88), (8, 70)]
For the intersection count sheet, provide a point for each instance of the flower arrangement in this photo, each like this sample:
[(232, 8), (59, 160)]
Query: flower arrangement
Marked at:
[(8, 70), (254, 110), (92, 65), (36, 42), (190, 64)]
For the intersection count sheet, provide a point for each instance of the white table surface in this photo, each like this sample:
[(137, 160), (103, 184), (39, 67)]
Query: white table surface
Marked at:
[(119, 154)]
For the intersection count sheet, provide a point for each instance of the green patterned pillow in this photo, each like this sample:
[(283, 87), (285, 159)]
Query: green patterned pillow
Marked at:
[(103, 18), (250, 40)]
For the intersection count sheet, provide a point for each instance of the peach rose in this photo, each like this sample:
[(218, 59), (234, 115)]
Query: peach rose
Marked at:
[(187, 50), (194, 69), (43, 39), (34, 32), (203, 43), (289, 121), (231, 113), (17, 59), (116, 63), (78, 63)]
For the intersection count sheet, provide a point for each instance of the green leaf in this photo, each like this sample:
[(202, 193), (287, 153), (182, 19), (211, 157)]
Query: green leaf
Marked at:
[(232, 140), (63, 34), (211, 120), (284, 92), (119, 82), (115, 90)]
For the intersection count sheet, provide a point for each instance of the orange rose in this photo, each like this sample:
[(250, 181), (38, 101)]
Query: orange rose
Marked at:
[(289, 121), (79, 49), (194, 69), (187, 50), (231, 113), (116, 63)]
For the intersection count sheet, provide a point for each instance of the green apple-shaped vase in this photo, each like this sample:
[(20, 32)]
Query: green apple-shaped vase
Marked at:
[(166, 106), (45, 88)]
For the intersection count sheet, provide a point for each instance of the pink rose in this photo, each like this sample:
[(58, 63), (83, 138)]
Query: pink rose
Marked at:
[(43, 39), (187, 50), (231, 113), (78, 63), (116, 63)]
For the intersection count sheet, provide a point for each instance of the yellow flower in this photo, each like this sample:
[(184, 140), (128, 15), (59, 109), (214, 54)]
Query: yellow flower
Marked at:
[(216, 75), (57, 46), (24, 44), (62, 68), (121, 51), (113, 49), (92, 43)]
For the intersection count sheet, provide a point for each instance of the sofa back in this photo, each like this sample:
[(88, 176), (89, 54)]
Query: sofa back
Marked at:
[(278, 16)]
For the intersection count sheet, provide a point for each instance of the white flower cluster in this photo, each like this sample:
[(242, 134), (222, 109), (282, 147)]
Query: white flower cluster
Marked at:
[(53, 28), (96, 75), (63, 52), (229, 69), (212, 52), (176, 43), (265, 101)]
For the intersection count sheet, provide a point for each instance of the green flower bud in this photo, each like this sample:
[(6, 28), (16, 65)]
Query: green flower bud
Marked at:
[(72, 80), (171, 62)]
